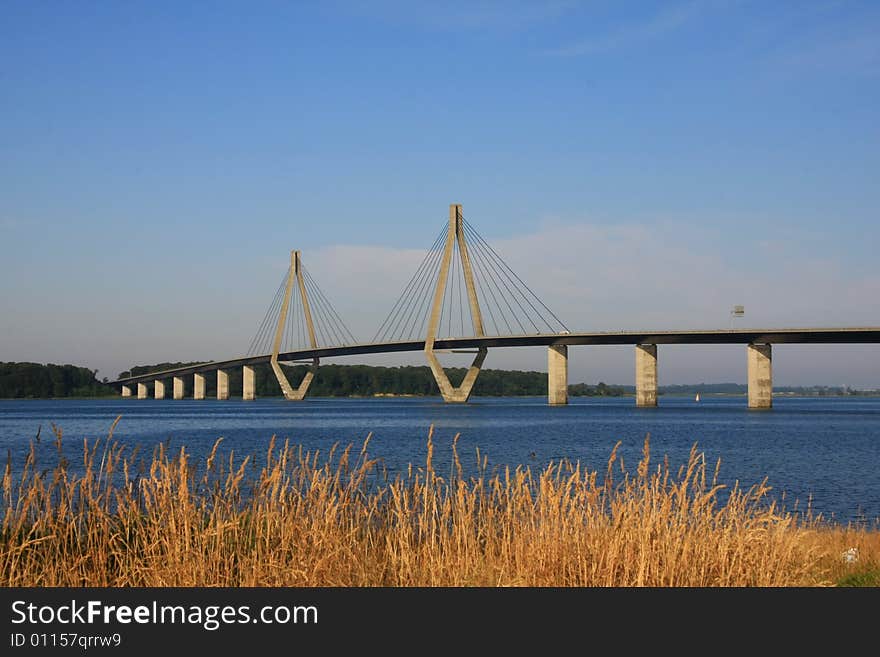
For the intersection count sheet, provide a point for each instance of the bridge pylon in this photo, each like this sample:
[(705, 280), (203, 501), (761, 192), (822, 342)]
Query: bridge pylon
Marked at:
[(455, 233), (294, 274)]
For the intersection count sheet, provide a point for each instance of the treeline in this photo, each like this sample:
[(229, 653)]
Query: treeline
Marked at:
[(599, 390), (137, 370), (368, 380), (34, 380), (742, 389)]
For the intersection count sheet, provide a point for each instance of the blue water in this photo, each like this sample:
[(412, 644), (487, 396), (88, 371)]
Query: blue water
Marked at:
[(822, 450)]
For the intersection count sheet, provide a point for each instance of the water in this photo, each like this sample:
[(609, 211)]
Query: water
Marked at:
[(823, 449)]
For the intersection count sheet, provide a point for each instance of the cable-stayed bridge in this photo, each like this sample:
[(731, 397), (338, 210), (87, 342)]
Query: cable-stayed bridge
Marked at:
[(463, 298)]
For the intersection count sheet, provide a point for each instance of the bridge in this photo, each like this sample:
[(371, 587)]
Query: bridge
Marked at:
[(441, 309)]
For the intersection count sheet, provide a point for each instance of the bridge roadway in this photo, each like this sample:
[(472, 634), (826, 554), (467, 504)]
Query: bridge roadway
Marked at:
[(759, 341)]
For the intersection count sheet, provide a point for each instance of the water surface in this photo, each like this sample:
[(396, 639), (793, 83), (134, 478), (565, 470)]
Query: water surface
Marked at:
[(822, 450)]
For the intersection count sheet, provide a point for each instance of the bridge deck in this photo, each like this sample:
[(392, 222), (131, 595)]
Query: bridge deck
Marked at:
[(863, 335)]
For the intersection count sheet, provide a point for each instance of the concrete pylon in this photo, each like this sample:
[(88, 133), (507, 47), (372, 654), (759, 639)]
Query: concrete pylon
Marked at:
[(126, 391), (294, 274), (142, 391), (557, 374), (760, 372), (177, 390), (450, 393), (159, 389), (222, 384), (198, 386), (646, 375), (248, 383)]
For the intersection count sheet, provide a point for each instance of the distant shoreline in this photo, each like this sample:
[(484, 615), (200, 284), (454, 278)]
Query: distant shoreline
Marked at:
[(392, 395)]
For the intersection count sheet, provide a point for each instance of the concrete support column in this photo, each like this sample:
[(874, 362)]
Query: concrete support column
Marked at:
[(646, 375), (178, 387), (142, 390), (760, 367), (126, 391), (198, 386), (222, 384), (248, 383), (557, 374), (159, 389)]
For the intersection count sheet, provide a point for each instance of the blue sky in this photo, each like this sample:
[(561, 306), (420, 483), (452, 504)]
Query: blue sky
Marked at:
[(641, 165)]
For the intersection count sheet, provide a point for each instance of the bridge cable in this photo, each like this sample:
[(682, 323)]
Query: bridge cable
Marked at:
[(444, 302), (343, 328), (270, 313), (515, 290), (487, 282), (408, 316), (389, 320), (301, 331), (459, 269), (328, 329), (456, 265), (479, 285), (290, 326), (266, 320), (521, 282), (425, 304), (460, 302), (389, 327), (332, 320), (265, 345), (512, 288), (423, 298), (508, 284), (490, 269), (322, 336), (295, 311), (511, 294)]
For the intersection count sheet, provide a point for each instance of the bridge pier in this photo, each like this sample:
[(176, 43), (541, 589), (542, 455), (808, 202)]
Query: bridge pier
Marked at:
[(159, 389), (142, 390), (760, 372), (177, 392), (557, 374), (646, 375), (126, 391), (222, 385), (248, 383), (198, 386)]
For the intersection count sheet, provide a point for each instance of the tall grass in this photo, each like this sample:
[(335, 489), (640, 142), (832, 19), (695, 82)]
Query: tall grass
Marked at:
[(306, 519)]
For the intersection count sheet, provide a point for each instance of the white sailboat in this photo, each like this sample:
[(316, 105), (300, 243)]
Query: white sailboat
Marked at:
[(697, 398)]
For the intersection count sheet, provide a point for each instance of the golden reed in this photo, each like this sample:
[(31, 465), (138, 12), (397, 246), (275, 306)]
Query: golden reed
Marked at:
[(304, 519)]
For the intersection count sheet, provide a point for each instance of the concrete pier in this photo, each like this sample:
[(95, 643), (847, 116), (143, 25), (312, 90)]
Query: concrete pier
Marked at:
[(126, 391), (198, 386), (557, 374), (222, 384), (177, 391), (760, 368), (646, 375), (248, 383), (142, 390), (159, 389)]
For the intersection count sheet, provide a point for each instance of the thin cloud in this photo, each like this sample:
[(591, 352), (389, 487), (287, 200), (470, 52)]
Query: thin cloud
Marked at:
[(593, 276), (473, 15), (665, 22), (599, 277), (857, 53)]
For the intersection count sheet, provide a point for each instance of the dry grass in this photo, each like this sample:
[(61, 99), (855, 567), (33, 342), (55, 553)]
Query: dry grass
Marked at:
[(333, 520)]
